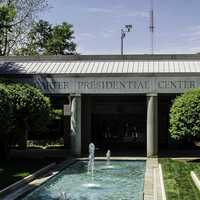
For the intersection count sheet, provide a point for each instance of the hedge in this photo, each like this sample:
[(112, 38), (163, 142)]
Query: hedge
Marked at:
[(6, 120), (185, 116), (22, 108)]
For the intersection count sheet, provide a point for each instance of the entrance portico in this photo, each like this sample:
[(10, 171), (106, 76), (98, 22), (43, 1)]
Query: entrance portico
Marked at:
[(107, 123), (131, 92)]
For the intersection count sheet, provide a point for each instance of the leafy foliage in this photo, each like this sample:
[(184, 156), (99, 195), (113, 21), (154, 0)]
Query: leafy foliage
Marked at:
[(5, 111), (21, 35), (6, 121), (185, 116), (22, 108), (37, 39), (45, 39), (7, 15), (56, 114), (60, 42), (30, 107), (16, 18)]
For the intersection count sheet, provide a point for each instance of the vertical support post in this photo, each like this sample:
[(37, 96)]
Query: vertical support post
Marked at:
[(152, 125), (66, 122), (122, 41), (75, 125)]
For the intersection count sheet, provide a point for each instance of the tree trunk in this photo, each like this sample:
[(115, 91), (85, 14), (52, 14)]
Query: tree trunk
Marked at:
[(24, 140), (4, 149)]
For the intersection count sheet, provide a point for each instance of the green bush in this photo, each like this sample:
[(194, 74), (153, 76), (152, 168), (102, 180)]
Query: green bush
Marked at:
[(5, 110), (6, 121), (23, 108), (56, 114), (30, 107), (185, 116)]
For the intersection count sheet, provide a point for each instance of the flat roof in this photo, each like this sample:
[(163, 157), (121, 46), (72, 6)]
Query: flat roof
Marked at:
[(103, 57), (101, 64)]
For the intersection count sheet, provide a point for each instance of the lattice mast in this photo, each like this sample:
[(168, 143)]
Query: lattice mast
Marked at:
[(151, 26)]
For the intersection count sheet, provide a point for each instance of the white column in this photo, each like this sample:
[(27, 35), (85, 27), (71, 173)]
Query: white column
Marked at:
[(152, 125), (75, 125)]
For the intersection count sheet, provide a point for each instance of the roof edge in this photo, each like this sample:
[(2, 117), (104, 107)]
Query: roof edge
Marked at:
[(102, 57)]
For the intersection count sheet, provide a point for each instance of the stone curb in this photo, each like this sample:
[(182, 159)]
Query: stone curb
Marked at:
[(27, 187), (195, 179), (162, 183), (25, 180), (23, 188), (152, 184)]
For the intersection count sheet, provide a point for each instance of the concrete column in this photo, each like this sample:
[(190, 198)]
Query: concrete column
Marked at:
[(75, 125), (152, 125)]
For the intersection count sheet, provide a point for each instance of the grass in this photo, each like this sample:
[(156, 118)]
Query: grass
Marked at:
[(177, 179), (16, 169)]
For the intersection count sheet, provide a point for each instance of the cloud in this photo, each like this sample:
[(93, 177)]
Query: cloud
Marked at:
[(117, 12)]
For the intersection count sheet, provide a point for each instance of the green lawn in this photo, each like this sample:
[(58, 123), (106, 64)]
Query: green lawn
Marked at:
[(16, 169), (177, 179), (197, 172)]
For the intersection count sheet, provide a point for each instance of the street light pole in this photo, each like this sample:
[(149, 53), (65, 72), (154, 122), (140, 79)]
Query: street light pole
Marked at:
[(124, 30), (122, 41)]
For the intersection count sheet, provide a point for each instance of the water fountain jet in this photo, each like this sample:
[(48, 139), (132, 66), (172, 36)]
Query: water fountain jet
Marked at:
[(91, 160), (108, 154)]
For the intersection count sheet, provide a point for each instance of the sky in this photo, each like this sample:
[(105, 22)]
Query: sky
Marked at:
[(97, 25)]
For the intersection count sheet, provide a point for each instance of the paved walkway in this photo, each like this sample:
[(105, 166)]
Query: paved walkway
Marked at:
[(152, 184)]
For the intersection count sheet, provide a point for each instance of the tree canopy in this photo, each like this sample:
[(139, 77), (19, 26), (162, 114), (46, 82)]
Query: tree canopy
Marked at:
[(6, 118), (45, 39), (22, 108), (185, 116), (31, 109), (20, 34), (7, 15), (16, 18)]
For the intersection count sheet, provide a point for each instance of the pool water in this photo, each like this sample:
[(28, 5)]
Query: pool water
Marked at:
[(122, 180)]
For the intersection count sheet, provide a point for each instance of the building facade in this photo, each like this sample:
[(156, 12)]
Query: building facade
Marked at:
[(118, 102)]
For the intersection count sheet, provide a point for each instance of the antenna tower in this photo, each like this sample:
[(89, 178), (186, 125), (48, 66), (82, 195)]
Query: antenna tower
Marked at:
[(151, 26)]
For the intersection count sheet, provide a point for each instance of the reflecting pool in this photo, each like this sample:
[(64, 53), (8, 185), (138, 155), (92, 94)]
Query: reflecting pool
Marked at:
[(121, 180)]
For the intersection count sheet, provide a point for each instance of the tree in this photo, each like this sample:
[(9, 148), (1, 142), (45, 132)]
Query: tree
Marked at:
[(31, 109), (60, 42), (6, 120), (7, 15), (185, 116), (45, 39), (37, 39), (22, 108), (16, 18)]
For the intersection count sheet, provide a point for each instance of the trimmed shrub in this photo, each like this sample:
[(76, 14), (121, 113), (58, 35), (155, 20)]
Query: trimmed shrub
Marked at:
[(5, 111), (6, 121), (23, 108), (30, 107), (185, 116)]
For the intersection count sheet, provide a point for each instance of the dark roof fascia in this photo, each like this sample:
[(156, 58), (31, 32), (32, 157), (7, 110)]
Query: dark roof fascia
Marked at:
[(180, 74), (100, 57)]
